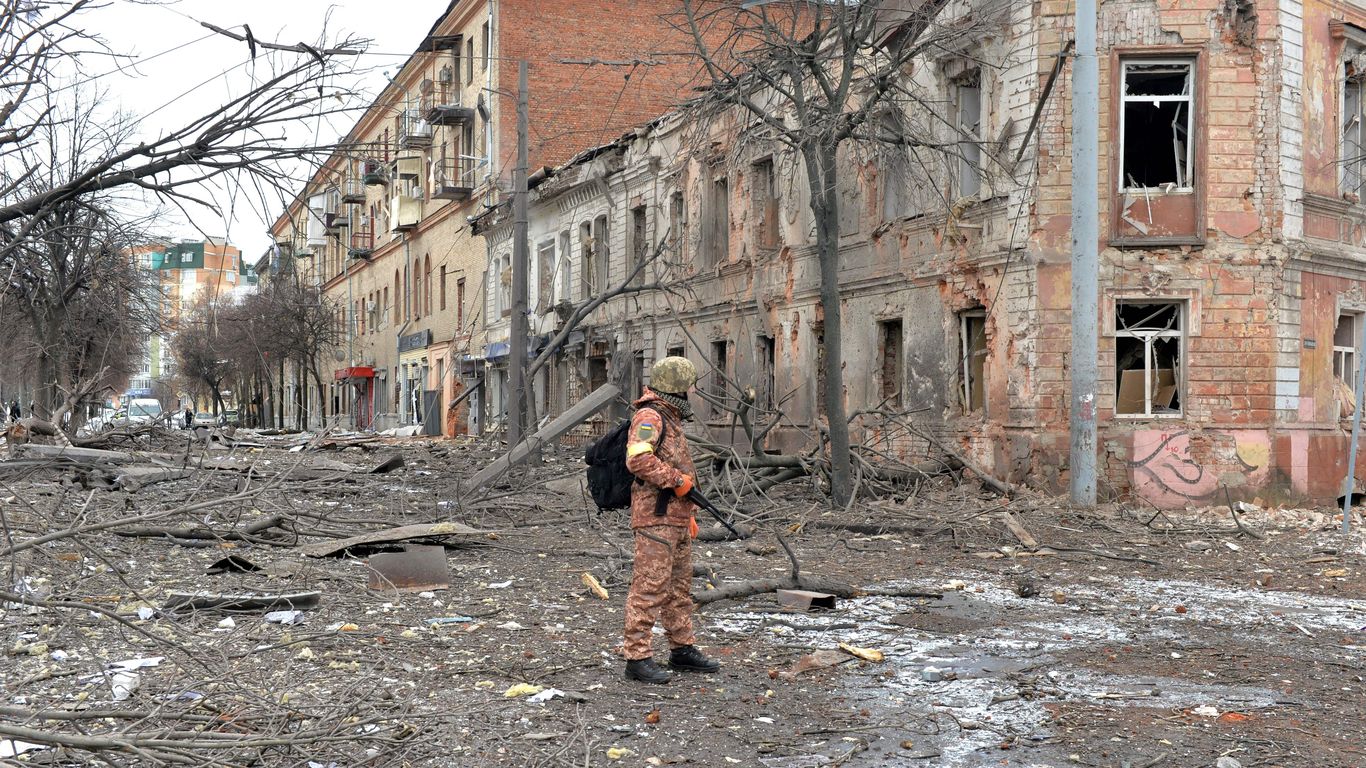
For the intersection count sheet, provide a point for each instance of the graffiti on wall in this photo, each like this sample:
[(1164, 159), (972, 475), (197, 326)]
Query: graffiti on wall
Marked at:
[(1164, 471)]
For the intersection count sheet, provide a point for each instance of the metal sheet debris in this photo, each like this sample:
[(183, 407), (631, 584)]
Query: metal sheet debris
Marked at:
[(805, 600), (208, 601), (416, 569), (388, 537)]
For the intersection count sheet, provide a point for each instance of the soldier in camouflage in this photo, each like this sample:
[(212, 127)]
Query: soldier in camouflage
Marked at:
[(663, 521)]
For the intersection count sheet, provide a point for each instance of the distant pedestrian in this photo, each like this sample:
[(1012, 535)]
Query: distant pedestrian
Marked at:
[(14, 410), (189, 417)]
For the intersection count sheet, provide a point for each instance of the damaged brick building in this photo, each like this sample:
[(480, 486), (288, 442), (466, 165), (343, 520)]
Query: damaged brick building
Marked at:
[(1231, 262)]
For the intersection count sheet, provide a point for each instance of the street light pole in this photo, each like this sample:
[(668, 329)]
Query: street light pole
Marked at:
[(1085, 257), (521, 253)]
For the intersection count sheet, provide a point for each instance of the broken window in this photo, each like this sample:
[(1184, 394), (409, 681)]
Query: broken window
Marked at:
[(1345, 337), (720, 360), (562, 271), (459, 302), (968, 121), (972, 350), (889, 351), (718, 246), (767, 360), (1353, 137), (640, 243), (587, 264), (545, 270), (677, 217), (601, 255), (674, 351), (597, 372), (765, 201), (1156, 125), (504, 266), (1148, 357)]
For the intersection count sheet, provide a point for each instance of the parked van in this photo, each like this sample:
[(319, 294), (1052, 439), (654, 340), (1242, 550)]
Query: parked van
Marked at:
[(144, 410)]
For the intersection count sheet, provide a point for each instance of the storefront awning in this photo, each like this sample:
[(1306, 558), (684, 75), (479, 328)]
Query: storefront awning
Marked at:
[(354, 372)]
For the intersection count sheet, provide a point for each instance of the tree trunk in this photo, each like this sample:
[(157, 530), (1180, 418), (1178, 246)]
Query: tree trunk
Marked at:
[(822, 175)]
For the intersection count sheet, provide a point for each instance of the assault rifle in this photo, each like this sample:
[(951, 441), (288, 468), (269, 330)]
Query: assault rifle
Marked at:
[(697, 498)]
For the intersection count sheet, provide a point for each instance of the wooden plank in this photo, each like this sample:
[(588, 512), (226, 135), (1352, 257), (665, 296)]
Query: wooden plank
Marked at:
[(595, 401), (71, 452), (1018, 531)]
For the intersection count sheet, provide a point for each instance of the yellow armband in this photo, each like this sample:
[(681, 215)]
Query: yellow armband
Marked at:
[(635, 449)]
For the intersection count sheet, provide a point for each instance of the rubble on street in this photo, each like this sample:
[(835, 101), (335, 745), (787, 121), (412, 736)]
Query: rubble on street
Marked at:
[(1113, 637)]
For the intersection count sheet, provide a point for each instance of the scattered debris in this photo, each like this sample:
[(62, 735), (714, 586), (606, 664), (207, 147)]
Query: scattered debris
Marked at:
[(804, 600), (594, 586)]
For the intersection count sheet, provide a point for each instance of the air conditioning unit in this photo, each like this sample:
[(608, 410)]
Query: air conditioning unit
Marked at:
[(370, 306), (446, 75)]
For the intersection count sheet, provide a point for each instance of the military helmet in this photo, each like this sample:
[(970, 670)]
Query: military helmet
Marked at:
[(673, 375)]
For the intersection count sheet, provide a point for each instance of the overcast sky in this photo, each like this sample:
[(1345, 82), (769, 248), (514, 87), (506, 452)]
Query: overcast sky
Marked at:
[(177, 85)]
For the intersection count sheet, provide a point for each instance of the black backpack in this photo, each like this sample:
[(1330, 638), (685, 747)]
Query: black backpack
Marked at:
[(608, 478)]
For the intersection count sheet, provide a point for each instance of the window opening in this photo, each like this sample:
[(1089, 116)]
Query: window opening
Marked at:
[(459, 302), (545, 268), (597, 372), (719, 365), (972, 336), (1345, 337), (767, 360), (1353, 136), (719, 249), (1156, 126), (677, 217), (969, 119), (601, 244), (890, 352), (675, 351), (765, 198), (587, 276), (1148, 358), (639, 239)]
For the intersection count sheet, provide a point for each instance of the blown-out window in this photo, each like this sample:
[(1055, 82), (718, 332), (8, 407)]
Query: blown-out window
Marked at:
[(1148, 357), (1155, 130)]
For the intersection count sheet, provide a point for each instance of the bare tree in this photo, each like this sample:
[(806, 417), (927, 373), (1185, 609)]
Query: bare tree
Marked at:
[(818, 78)]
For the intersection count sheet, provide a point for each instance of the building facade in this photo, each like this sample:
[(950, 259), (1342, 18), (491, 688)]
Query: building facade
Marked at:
[(383, 226), (1231, 277)]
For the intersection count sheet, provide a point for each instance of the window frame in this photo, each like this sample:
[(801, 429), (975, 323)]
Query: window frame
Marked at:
[(1348, 373), (1180, 334), (1191, 99), (965, 353), (1355, 82)]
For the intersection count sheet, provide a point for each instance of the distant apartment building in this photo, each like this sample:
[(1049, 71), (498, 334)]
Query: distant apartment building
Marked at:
[(383, 226), (188, 274)]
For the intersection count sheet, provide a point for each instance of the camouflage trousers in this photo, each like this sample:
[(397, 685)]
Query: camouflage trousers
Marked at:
[(661, 589)]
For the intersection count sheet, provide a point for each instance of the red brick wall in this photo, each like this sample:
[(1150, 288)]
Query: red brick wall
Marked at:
[(576, 106)]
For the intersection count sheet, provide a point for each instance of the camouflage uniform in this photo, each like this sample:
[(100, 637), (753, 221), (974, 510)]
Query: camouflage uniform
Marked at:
[(661, 585)]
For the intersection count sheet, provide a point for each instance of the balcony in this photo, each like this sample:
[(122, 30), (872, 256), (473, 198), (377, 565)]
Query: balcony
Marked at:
[(362, 243), (413, 130), (335, 222), (453, 178), (405, 212), (440, 105), (374, 173), (352, 191)]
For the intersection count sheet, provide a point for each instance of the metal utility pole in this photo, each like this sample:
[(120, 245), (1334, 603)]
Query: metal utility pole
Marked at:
[(521, 254), (1085, 256)]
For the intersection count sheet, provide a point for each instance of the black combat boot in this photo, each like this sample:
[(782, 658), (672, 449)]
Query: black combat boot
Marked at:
[(688, 659), (647, 671)]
